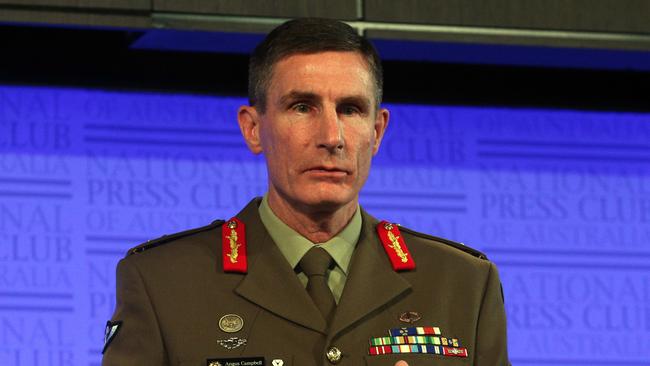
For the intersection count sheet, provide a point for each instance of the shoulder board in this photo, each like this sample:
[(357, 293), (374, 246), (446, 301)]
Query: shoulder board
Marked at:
[(168, 238), (454, 244)]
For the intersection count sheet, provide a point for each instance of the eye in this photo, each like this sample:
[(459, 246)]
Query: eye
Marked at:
[(349, 110), (301, 107)]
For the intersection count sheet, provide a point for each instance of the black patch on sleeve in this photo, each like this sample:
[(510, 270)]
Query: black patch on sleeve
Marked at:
[(112, 328)]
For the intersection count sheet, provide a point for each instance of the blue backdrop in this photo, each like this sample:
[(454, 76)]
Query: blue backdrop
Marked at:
[(559, 199)]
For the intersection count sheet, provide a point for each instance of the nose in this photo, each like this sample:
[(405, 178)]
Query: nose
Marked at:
[(330, 131)]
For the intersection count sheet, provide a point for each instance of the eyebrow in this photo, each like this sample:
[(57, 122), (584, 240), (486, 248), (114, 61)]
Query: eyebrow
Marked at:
[(358, 100), (299, 95), (313, 97)]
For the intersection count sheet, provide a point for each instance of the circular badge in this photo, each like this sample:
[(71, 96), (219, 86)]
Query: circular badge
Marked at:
[(231, 323)]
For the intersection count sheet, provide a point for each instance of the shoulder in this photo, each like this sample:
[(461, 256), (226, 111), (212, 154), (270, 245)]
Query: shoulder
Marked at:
[(433, 255), (173, 238), (412, 236), (428, 244)]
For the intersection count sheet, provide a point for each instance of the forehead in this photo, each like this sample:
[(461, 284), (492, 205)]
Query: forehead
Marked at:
[(322, 73)]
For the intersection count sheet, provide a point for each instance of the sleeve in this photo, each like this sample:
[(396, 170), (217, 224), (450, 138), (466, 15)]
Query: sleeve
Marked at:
[(135, 337), (491, 340)]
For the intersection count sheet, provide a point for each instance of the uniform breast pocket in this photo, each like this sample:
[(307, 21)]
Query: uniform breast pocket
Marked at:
[(416, 360)]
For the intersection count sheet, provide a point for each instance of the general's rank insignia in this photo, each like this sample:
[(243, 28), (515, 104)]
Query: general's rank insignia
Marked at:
[(110, 332), (395, 247), (233, 245), (416, 340)]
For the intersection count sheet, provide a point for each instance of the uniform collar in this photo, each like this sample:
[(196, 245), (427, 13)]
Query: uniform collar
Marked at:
[(294, 246), (371, 282)]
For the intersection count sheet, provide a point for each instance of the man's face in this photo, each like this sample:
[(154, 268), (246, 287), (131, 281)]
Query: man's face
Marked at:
[(320, 129)]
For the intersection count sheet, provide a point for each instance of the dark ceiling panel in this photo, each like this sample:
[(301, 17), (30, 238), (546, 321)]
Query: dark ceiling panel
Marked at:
[(630, 42), (337, 9), (84, 4), (194, 22), (103, 59), (49, 17), (578, 15)]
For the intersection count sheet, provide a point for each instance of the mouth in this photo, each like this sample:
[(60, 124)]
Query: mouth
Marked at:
[(328, 171)]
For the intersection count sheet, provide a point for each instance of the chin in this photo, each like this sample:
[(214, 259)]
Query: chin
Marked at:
[(330, 199)]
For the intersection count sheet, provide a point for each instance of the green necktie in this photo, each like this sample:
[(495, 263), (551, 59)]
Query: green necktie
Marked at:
[(315, 264)]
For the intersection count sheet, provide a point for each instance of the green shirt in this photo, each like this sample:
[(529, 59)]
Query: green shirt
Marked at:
[(294, 246)]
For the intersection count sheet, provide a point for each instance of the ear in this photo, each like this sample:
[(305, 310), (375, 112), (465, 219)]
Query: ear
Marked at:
[(249, 124), (381, 123)]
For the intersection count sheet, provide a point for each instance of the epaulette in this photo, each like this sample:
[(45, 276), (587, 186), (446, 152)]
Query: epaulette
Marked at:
[(452, 243), (168, 238)]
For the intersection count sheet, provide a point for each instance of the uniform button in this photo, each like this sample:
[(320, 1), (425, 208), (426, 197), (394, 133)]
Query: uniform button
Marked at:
[(333, 355)]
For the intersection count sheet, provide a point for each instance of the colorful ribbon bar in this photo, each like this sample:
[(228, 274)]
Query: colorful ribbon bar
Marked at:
[(435, 340), (414, 331), (418, 348), (405, 348)]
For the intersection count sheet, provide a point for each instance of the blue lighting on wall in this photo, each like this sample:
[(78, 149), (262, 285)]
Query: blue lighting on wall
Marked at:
[(559, 199)]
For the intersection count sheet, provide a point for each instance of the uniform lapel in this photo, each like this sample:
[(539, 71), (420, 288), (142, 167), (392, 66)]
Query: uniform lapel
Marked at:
[(270, 282), (371, 283)]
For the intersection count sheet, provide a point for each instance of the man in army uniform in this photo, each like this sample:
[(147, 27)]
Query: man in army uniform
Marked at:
[(304, 276)]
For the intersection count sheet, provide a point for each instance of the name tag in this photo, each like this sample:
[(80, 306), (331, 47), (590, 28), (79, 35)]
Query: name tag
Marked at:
[(239, 361)]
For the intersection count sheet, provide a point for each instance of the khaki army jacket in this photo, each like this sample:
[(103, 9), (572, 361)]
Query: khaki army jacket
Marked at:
[(172, 293)]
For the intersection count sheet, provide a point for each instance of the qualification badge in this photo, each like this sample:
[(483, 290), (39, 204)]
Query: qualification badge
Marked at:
[(410, 317), (231, 323)]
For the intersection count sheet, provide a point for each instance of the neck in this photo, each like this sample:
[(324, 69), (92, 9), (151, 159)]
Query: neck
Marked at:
[(317, 224)]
